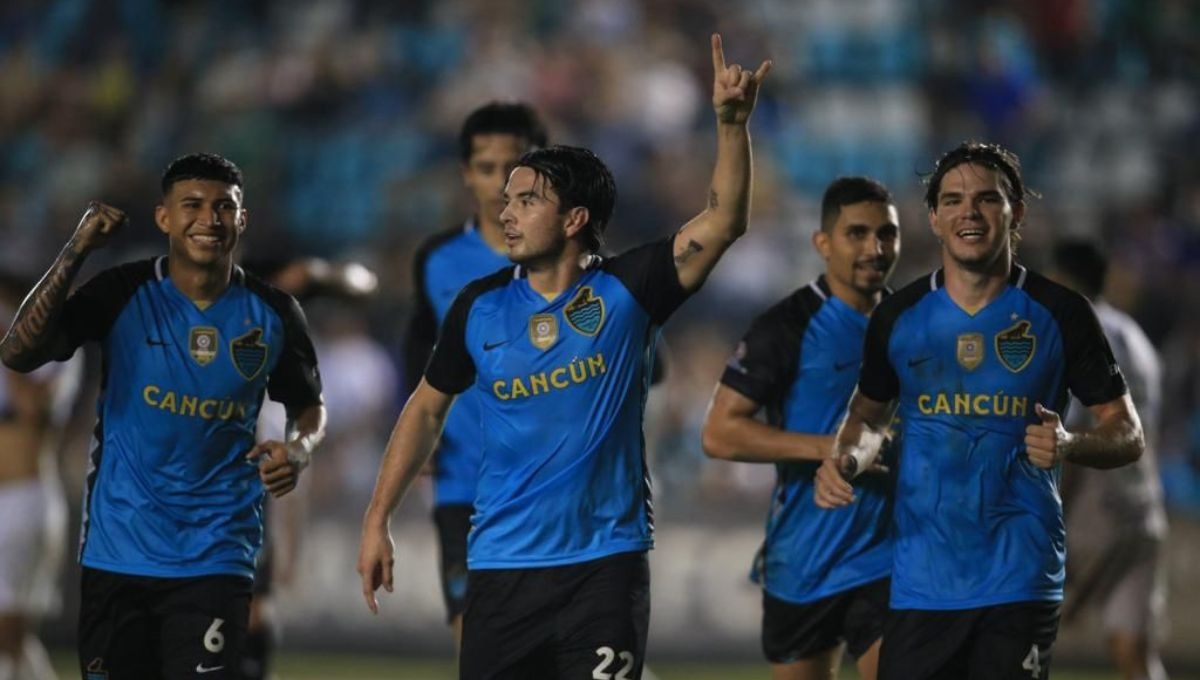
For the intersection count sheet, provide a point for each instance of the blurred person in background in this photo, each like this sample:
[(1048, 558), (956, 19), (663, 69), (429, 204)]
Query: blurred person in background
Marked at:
[(306, 279), (560, 348), (34, 409), (493, 137), (190, 344), (824, 574), (978, 357), (1116, 518)]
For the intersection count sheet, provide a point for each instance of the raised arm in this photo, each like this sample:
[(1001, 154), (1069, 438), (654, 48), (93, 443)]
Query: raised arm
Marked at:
[(31, 340), (1117, 438), (702, 241), (859, 441), (412, 441), (731, 432)]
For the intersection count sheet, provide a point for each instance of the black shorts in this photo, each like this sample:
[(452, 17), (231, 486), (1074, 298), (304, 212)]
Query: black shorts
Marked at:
[(791, 632), (146, 628), (1001, 642), (586, 620), (453, 523)]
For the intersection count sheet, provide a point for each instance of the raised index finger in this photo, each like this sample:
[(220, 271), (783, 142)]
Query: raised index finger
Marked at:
[(718, 54)]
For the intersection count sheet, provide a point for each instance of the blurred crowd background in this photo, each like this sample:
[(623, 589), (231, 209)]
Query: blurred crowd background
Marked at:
[(344, 114)]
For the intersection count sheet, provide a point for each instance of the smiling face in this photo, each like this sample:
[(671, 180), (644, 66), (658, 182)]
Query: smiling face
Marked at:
[(860, 249), (203, 220), (973, 217)]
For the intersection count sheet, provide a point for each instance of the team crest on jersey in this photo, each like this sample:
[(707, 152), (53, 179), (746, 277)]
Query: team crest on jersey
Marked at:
[(543, 330), (202, 343), (249, 353), (1015, 346), (970, 350), (585, 313)]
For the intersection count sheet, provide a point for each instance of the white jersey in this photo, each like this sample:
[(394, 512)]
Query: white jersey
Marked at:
[(1127, 500)]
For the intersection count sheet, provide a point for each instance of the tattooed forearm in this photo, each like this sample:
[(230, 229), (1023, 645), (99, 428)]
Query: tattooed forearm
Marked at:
[(691, 249), (24, 346), (712, 199)]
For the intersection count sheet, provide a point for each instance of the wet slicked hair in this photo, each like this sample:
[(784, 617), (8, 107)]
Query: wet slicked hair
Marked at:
[(504, 118), (579, 178), (208, 166), (845, 191), (1084, 262), (991, 156)]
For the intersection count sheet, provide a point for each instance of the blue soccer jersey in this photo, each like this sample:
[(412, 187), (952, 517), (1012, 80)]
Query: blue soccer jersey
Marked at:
[(443, 266), (169, 492), (562, 387), (976, 523), (800, 361)]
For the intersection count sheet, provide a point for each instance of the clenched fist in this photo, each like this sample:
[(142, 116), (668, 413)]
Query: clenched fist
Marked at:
[(99, 222)]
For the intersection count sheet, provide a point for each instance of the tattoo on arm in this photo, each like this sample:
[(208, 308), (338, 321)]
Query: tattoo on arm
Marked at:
[(25, 343), (691, 249), (712, 199)]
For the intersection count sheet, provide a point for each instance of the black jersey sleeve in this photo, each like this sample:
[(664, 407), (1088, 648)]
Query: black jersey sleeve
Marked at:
[(877, 379), (1093, 375), (766, 360), (89, 312), (451, 368), (295, 381), (421, 333), (648, 272)]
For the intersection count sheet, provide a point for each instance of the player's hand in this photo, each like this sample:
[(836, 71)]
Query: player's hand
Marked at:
[(376, 556), (1046, 442), (832, 490), (99, 222), (277, 471), (735, 90)]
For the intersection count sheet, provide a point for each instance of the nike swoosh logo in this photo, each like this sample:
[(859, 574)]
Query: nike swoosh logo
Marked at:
[(155, 343), (488, 346), (918, 362), (201, 668), (842, 367)]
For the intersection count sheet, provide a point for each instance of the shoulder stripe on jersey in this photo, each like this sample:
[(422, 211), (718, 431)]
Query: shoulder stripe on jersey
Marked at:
[(820, 287)]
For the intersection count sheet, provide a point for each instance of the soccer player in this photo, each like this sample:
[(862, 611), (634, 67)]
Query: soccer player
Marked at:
[(979, 357), (824, 573), (1118, 561), (558, 348), (491, 140), (34, 409), (189, 343)]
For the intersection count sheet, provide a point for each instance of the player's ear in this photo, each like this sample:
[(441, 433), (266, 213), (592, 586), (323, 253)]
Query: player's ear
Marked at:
[(577, 219), (160, 218), (241, 220), (820, 241), (1018, 212)]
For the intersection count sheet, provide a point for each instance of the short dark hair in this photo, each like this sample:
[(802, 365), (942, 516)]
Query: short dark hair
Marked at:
[(579, 178), (1084, 262), (991, 156), (201, 166), (505, 118), (845, 191)]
